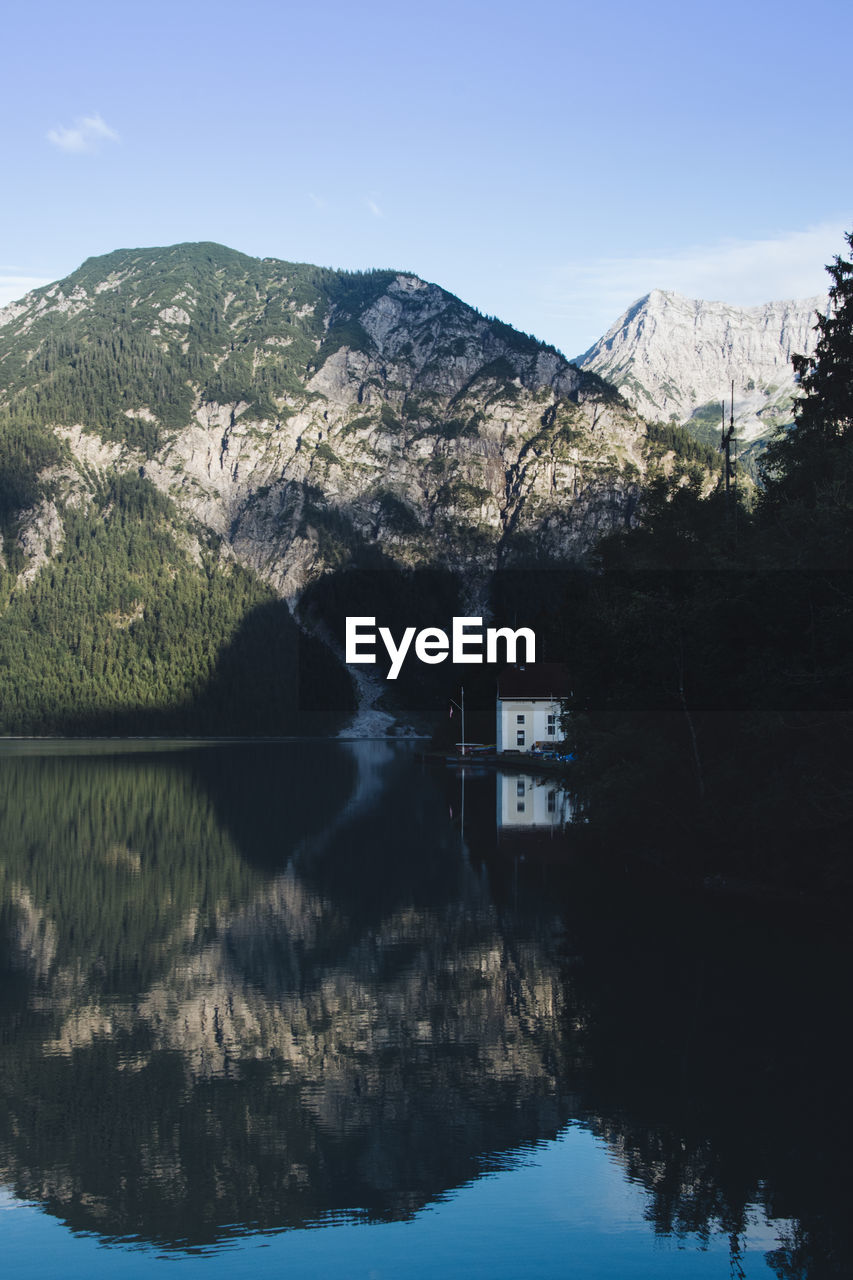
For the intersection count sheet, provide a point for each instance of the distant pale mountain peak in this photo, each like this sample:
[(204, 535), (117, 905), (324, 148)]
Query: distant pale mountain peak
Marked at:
[(675, 358)]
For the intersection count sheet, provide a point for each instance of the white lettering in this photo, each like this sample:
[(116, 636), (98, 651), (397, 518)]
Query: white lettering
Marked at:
[(460, 640), (431, 645), (511, 638), (353, 639), (396, 654)]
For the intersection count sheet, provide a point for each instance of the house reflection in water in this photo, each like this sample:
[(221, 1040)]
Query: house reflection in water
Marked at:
[(525, 803)]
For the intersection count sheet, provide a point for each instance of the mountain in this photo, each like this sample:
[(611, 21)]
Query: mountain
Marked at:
[(292, 410), (190, 436), (674, 358)]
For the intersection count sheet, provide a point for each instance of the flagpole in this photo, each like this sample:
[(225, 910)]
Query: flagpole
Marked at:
[(461, 707)]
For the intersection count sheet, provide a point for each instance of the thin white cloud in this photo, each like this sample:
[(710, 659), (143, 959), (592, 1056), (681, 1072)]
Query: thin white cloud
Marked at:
[(374, 208), (85, 135), (317, 201), (14, 286), (584, 298)]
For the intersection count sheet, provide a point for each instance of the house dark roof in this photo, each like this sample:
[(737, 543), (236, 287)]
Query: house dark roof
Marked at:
[(534, 680)]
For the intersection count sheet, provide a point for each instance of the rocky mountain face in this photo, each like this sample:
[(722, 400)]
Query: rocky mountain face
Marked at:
[(674, 358), (196, 445), (300, 416)]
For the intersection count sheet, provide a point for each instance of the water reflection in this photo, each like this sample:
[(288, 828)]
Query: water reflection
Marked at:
[(525, 802), (244, 999), (257, 987)]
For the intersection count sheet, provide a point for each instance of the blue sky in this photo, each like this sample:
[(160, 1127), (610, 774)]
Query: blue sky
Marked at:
[(547, 162)]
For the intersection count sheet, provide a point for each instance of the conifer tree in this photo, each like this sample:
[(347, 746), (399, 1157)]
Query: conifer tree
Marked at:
[(812, 463), (827, 377)]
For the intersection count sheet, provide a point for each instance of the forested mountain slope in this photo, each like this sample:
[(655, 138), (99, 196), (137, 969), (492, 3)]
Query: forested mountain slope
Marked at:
[(172, 419)]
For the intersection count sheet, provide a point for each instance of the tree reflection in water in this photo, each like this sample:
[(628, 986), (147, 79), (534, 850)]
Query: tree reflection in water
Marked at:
[(256, 986)]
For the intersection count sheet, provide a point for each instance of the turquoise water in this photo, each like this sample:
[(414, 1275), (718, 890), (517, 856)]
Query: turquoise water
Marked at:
[(320, 1008)]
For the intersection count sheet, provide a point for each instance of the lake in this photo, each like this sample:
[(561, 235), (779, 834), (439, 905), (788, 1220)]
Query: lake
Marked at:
[(315, 1008)]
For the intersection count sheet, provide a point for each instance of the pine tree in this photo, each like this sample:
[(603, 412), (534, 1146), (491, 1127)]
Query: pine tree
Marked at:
[(826, 409), (812, 463)]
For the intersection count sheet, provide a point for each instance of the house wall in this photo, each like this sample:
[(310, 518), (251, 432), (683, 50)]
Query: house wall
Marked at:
[(534, 725)]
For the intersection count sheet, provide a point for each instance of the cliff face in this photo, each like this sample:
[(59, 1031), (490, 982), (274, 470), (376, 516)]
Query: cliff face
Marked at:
[(675, 357), (300, 416)]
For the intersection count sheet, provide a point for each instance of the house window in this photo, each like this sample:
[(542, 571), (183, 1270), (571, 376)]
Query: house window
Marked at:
[(519, 808), (552, 802), (519, 787), (552, 726), (519, 719), (519, 738)]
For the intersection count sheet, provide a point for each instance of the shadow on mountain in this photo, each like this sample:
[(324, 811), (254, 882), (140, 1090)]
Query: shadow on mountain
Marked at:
[(270, 679)]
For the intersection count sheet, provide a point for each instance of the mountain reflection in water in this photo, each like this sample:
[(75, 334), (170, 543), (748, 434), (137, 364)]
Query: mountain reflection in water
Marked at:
[(258, 986)]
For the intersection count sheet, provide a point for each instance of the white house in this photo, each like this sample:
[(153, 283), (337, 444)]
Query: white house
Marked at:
[(528, 706)]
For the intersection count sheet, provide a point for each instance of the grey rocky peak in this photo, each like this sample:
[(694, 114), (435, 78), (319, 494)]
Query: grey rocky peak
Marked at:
[(674, 358)]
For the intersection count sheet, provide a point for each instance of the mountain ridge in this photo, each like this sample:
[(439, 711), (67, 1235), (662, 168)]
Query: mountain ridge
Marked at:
[(674, 358), (242, 375), (191, 437)]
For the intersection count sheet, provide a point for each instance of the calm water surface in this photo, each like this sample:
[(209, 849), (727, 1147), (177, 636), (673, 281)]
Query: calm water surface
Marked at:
[(320, 1008)]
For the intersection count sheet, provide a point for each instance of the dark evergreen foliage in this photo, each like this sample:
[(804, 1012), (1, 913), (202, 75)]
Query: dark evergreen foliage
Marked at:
[(666, 435), (808, 472), (712, 658), (27, 450), (141, 328), (123, 633)]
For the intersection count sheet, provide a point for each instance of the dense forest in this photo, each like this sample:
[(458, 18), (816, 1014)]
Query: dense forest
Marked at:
[(711, 656), (127, 367), (124, 632)]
